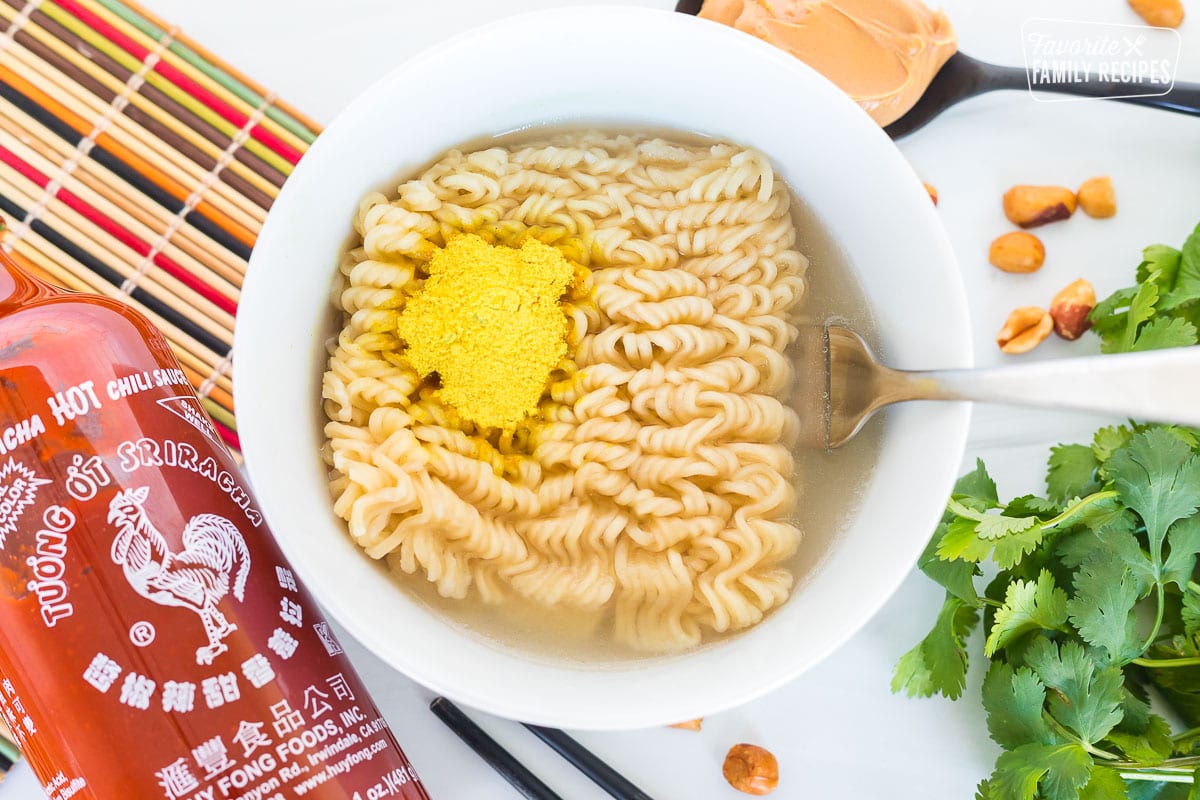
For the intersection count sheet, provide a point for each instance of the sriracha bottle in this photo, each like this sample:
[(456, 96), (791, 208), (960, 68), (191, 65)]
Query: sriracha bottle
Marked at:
[(154, 643)]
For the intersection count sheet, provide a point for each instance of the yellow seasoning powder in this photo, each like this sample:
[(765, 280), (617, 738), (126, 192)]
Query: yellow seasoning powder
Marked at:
[(488, 322)]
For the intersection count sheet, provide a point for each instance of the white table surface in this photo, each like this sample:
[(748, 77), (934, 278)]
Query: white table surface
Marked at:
[(837, 730)]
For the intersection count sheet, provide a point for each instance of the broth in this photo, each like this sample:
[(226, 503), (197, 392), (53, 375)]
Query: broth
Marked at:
[(840, 476), (832, 294)]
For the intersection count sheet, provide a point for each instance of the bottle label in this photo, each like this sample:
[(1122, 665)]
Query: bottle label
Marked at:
[(145, 601)]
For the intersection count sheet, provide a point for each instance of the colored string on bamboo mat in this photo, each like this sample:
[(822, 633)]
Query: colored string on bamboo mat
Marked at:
[(136, 165)]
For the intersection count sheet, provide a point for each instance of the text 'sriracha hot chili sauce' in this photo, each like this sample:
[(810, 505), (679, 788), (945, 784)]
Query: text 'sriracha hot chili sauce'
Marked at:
[(154, 643)]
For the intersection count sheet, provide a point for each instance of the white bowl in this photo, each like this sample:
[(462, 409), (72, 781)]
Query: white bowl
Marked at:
[(645, 68)]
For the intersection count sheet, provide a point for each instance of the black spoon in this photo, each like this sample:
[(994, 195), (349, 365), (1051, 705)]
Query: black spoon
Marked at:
[(962, 77)]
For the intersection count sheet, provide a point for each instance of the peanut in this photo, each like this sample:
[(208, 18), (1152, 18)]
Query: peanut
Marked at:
[(1070, 309), (1030, 206), (1025, 329), (1161, 13), (933, 192), (1097, 198), (751, 769), (1017, 252), (690, 725)]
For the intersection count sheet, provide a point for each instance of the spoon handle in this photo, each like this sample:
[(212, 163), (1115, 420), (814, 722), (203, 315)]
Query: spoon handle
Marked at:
[(1159, 386), (976, 77), (1182, 98)]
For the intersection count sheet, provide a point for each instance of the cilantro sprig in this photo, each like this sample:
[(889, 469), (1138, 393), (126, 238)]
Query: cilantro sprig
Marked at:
[(1162, 310), (1094, 607)]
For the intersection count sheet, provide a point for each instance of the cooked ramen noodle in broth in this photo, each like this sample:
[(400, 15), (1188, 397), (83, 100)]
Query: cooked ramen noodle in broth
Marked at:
[(651, 491)]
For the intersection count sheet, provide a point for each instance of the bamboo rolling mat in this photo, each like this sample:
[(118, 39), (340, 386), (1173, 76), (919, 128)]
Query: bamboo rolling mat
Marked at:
[(136, 165)]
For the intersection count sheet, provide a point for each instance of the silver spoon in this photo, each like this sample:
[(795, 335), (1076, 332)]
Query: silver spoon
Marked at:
[(842, 385)]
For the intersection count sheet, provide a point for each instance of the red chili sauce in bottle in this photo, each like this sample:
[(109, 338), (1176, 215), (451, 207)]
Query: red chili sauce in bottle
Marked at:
[(154, 643)]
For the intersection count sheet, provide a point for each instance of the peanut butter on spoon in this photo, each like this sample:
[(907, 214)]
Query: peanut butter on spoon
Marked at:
[(883, 53)]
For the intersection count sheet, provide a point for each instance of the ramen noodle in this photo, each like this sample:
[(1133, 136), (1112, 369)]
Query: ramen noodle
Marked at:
[(652, 493)]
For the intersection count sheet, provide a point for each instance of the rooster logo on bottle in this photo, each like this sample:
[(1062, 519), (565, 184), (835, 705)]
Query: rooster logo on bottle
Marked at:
[(214, 560)]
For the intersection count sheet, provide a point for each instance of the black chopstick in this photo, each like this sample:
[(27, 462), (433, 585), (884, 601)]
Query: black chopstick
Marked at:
[(490, 751), (589, 764)]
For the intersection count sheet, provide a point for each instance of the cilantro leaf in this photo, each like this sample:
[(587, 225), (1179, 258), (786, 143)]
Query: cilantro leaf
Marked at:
[(1179, 687), (1102, 608), (1143, 736), (1158, 477), (1013, 701), (972, 535), (1184, 434), (1085, 700), (1160, 264), (1011, 549), (1183, 702), (1184, 540), (938, 664), (1157, 790), (1110, 314), (1124, 545), (976, 489), (960, 542), (1136, 707), (1017, 774), (1075, 548), (956, 576), (1191, 613), (1060, 771), (1105, 784), (1109, 440), (1028, 505), (1188, 742), (992, 526), (1141, 309), (1152, 746), (1178, 303), (945, 647), (1187, 280), (1165, 332), (1072, 472), (996, 526), (1109, 526), (1028, 606), (1108, 516), (913, 674), (1068, 770)]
